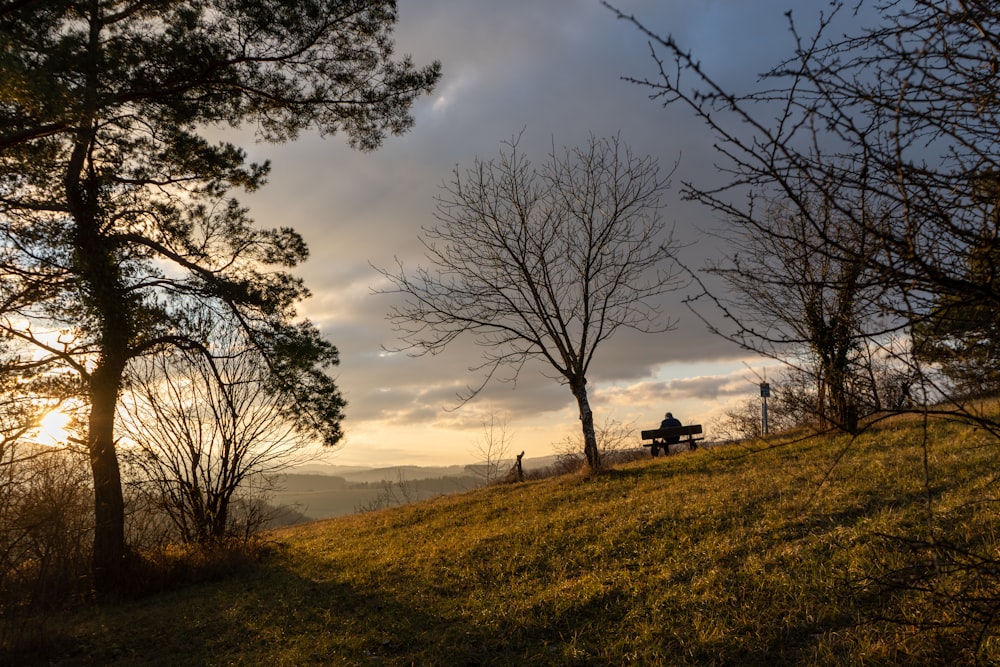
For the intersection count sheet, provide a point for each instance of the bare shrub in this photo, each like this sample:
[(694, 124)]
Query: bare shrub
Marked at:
[(492, 450), (790, 405), (615, 442), (209, 433), (391, 494), (46, 520)]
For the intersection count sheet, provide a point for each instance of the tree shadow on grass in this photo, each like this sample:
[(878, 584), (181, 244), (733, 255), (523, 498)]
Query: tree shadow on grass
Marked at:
[(276, 616)]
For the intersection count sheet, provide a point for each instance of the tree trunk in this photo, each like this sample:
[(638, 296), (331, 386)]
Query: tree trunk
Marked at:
[(107, 300), (587, 422), (108, 303), (109, 503)]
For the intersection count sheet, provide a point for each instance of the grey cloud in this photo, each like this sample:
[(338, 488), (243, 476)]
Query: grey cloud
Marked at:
[(553, 68)]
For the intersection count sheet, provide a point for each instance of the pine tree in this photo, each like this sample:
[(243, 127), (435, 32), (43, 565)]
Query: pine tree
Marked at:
[(118, 226)]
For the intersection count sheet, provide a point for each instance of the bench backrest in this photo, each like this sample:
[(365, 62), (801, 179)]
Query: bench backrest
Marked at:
[(693, 429)]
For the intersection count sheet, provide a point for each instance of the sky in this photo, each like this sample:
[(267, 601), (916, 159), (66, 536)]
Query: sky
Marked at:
[(553, 69)]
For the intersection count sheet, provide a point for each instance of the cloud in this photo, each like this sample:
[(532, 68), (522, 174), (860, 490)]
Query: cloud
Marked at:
[(553, 69)]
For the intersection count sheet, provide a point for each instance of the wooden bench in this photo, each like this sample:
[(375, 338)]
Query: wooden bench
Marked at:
[(664, 437)]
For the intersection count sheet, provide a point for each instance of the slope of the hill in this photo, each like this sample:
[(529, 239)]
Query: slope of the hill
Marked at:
[(784, 553)]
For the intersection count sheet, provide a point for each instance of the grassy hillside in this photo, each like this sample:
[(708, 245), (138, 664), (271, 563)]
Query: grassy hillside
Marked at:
[(777, 554)]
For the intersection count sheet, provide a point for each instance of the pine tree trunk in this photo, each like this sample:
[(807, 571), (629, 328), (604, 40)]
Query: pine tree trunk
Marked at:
[(109, 503), (108, 302)]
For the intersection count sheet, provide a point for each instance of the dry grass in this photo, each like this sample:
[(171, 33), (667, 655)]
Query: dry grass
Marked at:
[(774, 553)]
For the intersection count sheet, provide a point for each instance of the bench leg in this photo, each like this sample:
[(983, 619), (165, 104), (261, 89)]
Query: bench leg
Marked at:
[(655, 449)]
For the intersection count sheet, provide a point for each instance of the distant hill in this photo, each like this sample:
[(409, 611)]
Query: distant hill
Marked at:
[(377, 474), (307, 497), (320, 491)]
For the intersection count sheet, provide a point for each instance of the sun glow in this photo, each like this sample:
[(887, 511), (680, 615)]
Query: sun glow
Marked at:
[(52, 429)]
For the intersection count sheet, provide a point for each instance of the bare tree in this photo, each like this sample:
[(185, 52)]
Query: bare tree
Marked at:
[(894, 126), (493, 449), (542, 263), (791, 300), (897, 121), (208, 431)]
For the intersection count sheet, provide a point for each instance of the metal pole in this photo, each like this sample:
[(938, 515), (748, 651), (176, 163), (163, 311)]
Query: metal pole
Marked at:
[(763, 419), (765, 391)]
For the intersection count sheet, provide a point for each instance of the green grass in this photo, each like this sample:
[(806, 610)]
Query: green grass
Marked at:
[(779, 553)]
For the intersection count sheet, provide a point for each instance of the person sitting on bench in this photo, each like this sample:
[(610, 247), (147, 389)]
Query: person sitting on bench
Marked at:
[(671, 432), (669, 421)]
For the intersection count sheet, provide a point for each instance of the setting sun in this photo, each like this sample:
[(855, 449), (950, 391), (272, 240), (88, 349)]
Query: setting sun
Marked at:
[(52, 428)]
